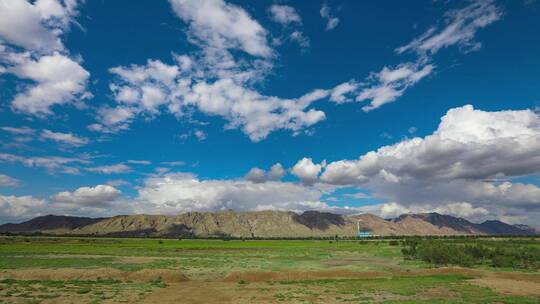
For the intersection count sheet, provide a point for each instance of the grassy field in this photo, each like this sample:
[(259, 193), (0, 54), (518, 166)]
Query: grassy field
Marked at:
[(106, 270)]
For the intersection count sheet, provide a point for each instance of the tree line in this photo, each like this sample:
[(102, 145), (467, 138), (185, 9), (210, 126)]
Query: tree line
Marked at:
[(503, 253)]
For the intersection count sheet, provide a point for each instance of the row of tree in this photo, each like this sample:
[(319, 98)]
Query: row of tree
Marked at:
[(495, 254)]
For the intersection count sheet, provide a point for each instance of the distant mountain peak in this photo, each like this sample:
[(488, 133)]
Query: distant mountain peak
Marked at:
[(262, 224)]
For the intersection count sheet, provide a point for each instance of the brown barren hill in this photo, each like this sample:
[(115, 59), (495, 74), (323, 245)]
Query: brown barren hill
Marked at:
[(261, 224)]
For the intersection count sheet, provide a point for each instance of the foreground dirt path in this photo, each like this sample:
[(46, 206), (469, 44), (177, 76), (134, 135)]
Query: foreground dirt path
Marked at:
[(510, 283), (508, 286), (192, 292)]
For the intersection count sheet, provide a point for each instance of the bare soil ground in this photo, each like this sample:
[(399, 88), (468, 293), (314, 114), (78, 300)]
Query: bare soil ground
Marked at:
[(509, 286), (262, 276)]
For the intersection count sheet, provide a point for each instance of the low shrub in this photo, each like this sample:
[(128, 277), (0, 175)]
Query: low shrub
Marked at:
[(440, 252)]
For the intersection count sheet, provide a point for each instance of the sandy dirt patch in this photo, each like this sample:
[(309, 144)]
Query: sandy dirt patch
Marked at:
[(508, 286), (261, 276), (443, 270), (530, 277), (438, 293), (194, 292)]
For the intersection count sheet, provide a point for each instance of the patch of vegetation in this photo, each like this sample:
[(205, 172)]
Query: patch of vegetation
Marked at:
[(209, 261), (501, 254), (35, 291), (402, 285), (450, 288)]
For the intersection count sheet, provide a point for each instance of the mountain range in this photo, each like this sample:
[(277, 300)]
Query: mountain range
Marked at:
[(261, 224)]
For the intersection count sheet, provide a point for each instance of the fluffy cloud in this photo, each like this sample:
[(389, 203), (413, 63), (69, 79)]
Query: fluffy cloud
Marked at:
[(331, 21), (290, 21), (459, 209), (19, 207), (64, 138), (100, 200), (22, 24), (472, 157), (8, 181), (492, 195), (174, 193), (460, 27), (276, 172), (99, 195), (307, 171), (58, 80), (36, 28), (213, 80), (258, 175), (221, 25), (340, 92), (110, 169), (468, 144), (257, 115), (218, 79), (284, 14)]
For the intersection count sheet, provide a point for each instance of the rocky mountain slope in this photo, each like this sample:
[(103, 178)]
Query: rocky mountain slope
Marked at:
[(261, 224), (492, 227), (50, 223)]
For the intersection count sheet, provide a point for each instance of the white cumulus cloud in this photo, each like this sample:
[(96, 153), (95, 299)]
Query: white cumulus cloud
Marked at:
[(182, 192), (20, 207), (88, 196), (258, 175), (222, 25), (307, 171), (36, 28), (472, 157)]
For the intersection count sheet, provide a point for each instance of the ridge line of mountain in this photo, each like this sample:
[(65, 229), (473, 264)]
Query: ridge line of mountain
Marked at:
[(261, 224)]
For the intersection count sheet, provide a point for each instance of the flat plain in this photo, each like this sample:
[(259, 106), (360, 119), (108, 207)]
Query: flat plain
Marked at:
[(125, 270)]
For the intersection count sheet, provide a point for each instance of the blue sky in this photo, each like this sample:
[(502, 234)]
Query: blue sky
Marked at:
[(165, 106)]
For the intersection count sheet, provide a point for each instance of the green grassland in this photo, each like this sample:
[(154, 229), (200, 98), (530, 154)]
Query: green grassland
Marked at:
[(33, 270)]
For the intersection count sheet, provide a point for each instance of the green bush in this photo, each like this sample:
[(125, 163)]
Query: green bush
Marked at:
[(442, 252)]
